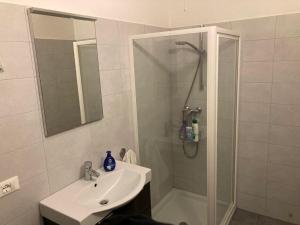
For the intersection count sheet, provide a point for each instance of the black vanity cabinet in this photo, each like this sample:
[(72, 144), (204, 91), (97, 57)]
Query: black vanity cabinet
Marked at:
[(141, 204)]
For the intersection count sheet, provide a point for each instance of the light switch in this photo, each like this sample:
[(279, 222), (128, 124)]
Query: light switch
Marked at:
[(8, 186)]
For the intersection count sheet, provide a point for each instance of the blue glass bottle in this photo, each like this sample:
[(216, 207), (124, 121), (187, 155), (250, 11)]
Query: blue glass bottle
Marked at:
[(109, 162)]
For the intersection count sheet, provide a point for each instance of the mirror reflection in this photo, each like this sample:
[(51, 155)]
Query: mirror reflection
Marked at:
[(67, 64)]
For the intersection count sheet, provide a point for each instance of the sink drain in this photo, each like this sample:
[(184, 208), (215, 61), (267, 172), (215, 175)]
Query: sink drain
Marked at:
[(183, 223), (103, 202)]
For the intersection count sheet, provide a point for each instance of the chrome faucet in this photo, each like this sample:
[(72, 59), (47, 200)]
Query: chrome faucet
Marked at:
[(89, 173)]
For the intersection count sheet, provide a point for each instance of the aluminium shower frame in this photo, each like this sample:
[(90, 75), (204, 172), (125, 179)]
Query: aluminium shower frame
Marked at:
[(213, 35)]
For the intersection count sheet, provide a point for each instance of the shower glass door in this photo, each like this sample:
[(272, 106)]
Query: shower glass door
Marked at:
[(226, 123), (179, 78), (170, 88)]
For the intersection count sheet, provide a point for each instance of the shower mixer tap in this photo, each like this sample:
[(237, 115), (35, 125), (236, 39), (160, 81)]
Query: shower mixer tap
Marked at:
[(190, 110), (196, 110)]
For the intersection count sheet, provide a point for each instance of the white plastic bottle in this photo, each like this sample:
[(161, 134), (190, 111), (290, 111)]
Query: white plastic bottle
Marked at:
[(195, 130)]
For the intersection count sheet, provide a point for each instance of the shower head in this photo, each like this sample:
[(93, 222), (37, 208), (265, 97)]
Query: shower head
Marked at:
[(189, 44)]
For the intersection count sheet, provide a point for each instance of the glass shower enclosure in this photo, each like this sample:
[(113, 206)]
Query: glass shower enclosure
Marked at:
[(185, 91)]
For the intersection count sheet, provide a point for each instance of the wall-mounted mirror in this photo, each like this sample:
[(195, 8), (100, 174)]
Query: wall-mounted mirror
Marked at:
[(68, 70)]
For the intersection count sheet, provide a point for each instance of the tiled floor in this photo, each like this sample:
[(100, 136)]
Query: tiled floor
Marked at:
[(242, 217)]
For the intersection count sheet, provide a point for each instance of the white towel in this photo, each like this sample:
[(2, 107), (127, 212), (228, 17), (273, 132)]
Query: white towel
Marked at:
[(130, 157)]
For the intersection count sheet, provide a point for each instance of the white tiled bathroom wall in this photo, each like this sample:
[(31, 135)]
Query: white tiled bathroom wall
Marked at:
[(45, 165), (269, 134)]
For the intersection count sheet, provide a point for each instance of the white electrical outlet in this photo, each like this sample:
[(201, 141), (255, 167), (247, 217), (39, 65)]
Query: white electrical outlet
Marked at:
[(8, 186)]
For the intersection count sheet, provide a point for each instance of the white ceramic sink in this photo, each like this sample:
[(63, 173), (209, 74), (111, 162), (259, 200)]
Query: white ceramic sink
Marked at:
[(83, 198), (113, 189)]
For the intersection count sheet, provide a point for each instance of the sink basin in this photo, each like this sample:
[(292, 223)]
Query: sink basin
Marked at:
[(112, 190), (86, 200)]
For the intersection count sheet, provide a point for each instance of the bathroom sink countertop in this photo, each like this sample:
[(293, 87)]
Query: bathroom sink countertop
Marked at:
[(80, 202)]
